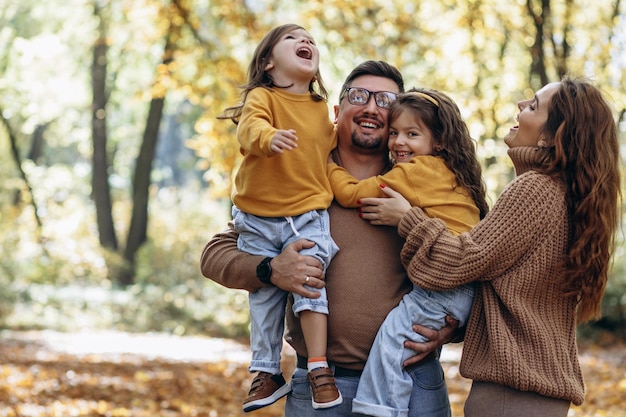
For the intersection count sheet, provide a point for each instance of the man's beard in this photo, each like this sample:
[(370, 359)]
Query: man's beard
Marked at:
[(367, 144)]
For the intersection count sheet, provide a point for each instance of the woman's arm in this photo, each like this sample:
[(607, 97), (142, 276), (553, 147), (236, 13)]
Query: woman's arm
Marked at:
[(437, 260)]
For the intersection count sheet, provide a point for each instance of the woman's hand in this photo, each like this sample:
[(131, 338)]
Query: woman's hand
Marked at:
[(436, 338), (292, 271), (384, 211)]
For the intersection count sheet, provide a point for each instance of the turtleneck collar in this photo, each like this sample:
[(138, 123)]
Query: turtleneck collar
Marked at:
[(526, 158)]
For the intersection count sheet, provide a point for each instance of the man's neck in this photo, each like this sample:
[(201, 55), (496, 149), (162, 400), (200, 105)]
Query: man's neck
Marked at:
[(361, 165)]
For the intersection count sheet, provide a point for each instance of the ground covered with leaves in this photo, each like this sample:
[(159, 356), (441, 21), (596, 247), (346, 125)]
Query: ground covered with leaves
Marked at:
[(121, 375)]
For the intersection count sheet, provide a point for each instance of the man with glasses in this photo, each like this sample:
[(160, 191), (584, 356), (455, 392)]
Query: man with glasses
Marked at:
[(365, 280)]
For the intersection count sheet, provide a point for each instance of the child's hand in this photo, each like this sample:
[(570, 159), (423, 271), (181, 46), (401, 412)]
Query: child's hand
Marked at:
[(384, 211), (284, 140)]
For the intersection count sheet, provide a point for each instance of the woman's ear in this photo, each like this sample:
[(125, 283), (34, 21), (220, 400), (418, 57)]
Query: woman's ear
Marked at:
[(269, 66)]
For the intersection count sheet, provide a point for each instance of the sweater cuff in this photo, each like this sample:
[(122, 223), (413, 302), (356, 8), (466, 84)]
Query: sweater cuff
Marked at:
[(410, 219)]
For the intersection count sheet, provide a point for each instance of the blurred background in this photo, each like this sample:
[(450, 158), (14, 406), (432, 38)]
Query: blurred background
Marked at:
[(114, 171)]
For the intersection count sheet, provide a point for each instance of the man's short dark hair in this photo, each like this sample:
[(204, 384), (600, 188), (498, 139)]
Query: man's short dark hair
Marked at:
[(376, 68)]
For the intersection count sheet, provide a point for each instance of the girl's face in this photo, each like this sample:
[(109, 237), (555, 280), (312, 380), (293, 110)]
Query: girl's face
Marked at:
[(531, 119), (409, 137), (294, 57)]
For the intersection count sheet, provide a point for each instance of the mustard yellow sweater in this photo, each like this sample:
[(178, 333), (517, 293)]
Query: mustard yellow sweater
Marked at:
[(521, 331), (291, 183), (425, 181)]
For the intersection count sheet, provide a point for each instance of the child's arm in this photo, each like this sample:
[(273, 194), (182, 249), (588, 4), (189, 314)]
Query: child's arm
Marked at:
[(284, 140), (347, 189), (256, 132)]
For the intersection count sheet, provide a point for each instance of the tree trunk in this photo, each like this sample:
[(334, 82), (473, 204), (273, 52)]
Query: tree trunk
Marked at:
[(537, 50), (137, 232), (18, 162), (101, 192), (36, 144)]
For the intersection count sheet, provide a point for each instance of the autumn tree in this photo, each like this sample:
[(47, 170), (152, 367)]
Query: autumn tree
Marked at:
[(101, 193)]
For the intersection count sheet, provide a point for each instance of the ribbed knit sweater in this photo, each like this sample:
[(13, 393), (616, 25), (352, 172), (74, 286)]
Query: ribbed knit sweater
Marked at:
[(522, 331)]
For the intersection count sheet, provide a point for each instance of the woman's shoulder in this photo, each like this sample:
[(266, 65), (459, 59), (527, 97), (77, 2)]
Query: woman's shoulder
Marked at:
[(533, 185)]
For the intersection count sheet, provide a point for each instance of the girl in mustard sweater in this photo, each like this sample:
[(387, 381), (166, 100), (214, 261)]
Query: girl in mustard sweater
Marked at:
[(282, 194), (436, 169)]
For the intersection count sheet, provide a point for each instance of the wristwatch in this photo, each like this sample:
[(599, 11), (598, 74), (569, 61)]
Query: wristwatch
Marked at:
[(264, 271)]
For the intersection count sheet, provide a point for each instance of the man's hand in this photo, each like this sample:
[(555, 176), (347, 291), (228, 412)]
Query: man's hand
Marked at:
[(436, 338), (290, 270)]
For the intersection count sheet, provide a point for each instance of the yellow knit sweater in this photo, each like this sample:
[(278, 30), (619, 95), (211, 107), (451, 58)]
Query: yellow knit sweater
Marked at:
[(425, 181), (291, 183), (521, 331)]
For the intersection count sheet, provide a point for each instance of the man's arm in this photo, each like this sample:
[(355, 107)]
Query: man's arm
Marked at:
[(223, 263)]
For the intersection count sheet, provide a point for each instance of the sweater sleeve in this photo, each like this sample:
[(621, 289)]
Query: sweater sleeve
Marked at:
[(411, 179), (223, 263), (435, 259), (256, 126), (347, 189)]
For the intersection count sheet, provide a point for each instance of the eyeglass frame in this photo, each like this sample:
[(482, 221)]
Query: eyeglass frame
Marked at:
[(369, 95)]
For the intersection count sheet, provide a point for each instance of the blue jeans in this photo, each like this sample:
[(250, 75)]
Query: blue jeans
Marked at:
[(268, 236), (429, 397), (386, 388)]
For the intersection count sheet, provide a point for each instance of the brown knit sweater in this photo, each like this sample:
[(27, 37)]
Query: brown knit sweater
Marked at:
[(521, 331)]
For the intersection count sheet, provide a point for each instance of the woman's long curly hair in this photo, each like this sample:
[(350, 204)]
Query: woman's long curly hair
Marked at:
[(451, 137), (258, 77), (584, 155)]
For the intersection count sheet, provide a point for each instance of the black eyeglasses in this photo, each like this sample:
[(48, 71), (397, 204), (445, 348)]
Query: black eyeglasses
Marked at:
[(360, 97)]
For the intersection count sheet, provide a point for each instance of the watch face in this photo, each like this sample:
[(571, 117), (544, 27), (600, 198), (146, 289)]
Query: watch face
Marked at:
[(264, 270)]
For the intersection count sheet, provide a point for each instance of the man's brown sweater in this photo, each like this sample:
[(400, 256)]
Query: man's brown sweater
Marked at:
[(521, 331), (364, 282)]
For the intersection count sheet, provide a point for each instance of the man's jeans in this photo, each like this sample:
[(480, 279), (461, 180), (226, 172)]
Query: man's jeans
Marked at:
[(428, 399)]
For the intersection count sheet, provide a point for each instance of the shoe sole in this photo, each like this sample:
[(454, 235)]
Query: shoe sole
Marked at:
[(333, 403), (264, 402)]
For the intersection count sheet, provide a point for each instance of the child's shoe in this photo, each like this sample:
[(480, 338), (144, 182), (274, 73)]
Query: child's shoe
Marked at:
[(323, 388), (266, 389)]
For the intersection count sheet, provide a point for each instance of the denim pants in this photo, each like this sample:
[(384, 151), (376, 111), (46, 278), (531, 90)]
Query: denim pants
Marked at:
[(428, 398), (385, 389), (267, 236)]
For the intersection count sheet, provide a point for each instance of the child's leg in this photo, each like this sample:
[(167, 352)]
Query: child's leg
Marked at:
[(312, 313), (384, 387), (314, 330), (314, 226), (267, 306)]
